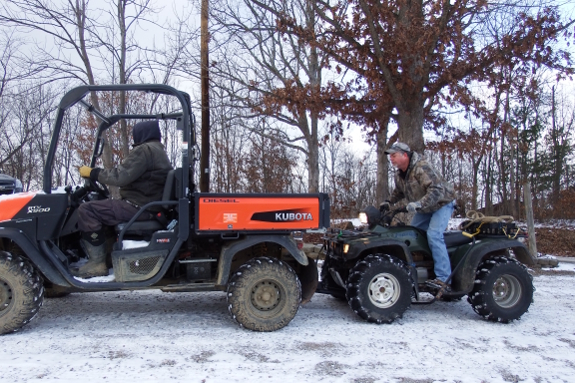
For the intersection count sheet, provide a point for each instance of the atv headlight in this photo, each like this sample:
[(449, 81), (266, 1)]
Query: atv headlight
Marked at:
[(371, 216), (346, 248)]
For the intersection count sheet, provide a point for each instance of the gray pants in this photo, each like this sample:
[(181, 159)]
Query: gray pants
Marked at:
[(110, 212)]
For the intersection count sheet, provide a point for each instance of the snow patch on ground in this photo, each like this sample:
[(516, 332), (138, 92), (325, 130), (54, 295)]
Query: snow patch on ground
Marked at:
[(150, 336)]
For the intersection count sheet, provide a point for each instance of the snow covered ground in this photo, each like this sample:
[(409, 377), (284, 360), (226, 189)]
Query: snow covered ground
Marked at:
[(150, 336)]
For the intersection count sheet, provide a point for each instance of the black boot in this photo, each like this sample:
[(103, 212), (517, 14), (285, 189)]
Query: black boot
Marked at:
[(94, 244)]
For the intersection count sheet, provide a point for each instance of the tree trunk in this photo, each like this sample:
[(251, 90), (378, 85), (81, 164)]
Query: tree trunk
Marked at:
[(382, 184), (410, 126), (124, 135), (205, 157)]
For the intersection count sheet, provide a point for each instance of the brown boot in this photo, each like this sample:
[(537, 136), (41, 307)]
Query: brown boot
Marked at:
[(95, 247)]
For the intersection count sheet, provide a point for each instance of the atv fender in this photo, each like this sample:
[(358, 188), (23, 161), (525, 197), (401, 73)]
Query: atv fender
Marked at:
[(394, 248), (464, 278), (33, 254), (229, 251)]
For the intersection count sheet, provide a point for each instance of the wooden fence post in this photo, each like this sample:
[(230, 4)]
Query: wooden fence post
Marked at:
[(530, 220)]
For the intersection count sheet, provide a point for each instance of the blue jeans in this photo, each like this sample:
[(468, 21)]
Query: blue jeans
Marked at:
[(435, 224)]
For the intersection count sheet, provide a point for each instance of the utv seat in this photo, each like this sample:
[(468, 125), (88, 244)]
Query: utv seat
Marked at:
[(147, 228), (455, 238)]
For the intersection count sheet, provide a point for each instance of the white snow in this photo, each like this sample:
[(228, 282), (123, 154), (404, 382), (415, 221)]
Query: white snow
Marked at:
[(150, 336), (131, 244)]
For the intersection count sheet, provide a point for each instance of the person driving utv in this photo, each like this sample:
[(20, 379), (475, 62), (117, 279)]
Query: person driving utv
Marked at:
[(141, 178), (430, 197)]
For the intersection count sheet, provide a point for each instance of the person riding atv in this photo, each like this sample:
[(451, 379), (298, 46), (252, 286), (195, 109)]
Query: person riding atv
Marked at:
[(382, 270), (430, 197)]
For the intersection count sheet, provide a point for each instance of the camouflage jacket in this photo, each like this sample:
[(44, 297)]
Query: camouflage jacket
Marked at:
[(422, 183)]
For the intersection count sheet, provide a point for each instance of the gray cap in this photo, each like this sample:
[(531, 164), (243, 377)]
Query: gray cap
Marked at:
[(398, 147)]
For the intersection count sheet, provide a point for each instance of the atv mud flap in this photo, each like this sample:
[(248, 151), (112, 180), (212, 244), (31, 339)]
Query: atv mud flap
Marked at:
[(308, 277)]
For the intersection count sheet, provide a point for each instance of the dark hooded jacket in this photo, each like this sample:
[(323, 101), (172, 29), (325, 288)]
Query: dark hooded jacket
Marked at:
[(142, 175), (420, 182)]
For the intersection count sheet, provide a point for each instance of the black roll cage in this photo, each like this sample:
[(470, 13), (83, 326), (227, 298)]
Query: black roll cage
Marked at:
[(185, 121)]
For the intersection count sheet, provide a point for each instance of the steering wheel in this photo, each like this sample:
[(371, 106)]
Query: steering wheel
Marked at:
[(97, 187)]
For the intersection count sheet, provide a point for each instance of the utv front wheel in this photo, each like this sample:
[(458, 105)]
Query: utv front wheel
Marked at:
[(503, 290), (379, 289), (21, 292), (264, 294)]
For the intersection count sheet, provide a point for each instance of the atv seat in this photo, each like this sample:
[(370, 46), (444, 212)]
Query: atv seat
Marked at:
[(146, 228), (455, 238)]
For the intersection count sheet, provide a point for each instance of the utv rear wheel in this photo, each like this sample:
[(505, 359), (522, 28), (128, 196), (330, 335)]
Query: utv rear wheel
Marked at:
[(379, 288), (503, 290), (264, 294), (21, 292)]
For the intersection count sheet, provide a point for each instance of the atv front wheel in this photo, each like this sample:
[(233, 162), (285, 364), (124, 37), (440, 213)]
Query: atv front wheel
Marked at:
[(21, 292), (264, 294), (379, 288), (503, 290)]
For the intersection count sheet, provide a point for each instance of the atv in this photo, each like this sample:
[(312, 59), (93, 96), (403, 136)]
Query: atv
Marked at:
[(382, 270), (242, 245)]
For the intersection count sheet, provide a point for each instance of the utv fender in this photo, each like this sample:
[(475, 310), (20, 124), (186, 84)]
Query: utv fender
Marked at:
[(227, 253), (464, 278), (33, 254)]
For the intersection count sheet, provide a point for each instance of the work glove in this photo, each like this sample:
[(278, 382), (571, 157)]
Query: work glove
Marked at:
[(384, 206), (412, 207), (85, 171)]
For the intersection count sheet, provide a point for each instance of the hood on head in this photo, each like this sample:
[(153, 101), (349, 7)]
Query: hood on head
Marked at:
[(146, 131)]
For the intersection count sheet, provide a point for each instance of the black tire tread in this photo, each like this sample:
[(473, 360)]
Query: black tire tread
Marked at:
[(479, 296), (353, 292), (28, 290), (238, 296)]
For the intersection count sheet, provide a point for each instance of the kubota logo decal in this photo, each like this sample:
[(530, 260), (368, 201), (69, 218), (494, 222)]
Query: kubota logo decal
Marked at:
[(37, 209), (283, 216)]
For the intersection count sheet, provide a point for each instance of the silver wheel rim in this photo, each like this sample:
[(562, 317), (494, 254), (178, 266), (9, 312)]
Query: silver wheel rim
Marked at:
[(384, 290), (507, 291), (5, 296)]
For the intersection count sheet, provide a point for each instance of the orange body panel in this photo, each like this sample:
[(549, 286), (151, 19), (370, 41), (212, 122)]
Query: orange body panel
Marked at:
[(10, 205), (257, 213)]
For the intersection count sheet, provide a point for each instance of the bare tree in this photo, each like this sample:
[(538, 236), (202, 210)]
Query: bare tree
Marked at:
[(79, 39), (258, 61)]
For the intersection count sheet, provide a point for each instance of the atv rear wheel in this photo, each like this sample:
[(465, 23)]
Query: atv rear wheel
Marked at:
[(264, 294), (21, 292), (503, 290), (379, 288)]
